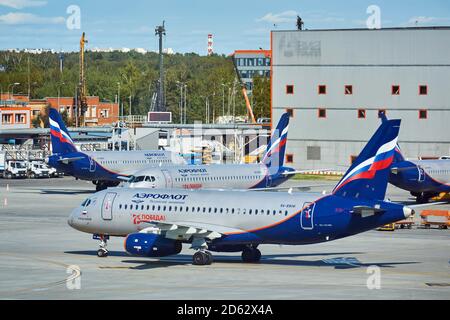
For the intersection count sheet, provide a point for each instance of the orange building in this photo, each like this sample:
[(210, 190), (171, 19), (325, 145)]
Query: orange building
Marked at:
[(97, 114), (19, 111), (14, 114)]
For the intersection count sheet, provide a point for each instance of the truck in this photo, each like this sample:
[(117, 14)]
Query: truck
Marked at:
[(439, 218), (37, 169), (14, 169)]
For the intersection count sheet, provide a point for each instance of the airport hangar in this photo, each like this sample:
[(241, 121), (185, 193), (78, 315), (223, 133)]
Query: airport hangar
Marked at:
[(335, 83)]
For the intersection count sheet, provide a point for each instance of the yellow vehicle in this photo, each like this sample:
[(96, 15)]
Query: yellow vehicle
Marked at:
[(388, 227)]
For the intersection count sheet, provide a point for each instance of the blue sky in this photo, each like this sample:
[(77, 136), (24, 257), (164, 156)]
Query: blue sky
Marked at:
[(236, 24)]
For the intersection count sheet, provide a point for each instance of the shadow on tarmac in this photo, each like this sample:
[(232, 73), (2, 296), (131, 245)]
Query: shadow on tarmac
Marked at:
[(66, 191), (339, 260)]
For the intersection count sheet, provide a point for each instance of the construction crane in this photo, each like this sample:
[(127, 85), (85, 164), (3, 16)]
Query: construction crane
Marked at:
[(244, 92), (81, 101)]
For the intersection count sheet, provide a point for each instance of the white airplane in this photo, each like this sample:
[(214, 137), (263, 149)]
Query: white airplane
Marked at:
[(265, 175), (156, 222), (104, 168)]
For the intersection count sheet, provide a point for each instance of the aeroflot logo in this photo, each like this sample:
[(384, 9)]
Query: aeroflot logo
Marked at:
[(160, 196), (192, 171)]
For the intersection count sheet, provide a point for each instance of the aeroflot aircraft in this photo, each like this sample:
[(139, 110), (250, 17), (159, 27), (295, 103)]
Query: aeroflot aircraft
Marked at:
[(425, 179), (267, 174), (105, 168), (157, 221)]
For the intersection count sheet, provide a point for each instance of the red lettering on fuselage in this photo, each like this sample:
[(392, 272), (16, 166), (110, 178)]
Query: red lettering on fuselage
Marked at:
[(140, 218), (192, 186)]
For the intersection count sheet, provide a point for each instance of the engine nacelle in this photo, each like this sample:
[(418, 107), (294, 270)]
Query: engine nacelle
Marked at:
[(151, 245)]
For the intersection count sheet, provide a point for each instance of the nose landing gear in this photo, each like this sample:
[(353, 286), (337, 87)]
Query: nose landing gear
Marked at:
[(102, 252)]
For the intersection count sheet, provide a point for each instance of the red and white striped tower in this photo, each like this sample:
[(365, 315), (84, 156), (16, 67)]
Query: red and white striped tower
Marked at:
[(210, 44)]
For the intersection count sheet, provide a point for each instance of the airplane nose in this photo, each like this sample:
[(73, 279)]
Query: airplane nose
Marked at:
[(72, 218), (408, 212)]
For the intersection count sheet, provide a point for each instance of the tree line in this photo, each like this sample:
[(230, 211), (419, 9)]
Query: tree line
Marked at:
[(211, 78)]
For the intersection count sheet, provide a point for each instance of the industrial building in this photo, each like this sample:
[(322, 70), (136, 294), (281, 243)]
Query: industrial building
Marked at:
[(336, 82), (251, 63)]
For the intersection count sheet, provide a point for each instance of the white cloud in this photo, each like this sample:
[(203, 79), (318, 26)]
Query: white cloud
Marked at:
[(421, 20), (28, 18), (20, 4), (283, 17)]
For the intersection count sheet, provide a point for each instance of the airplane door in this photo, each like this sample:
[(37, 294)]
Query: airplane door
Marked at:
[(168, 177), (92, 165), (307, 216), (421, 174), (108, 205)]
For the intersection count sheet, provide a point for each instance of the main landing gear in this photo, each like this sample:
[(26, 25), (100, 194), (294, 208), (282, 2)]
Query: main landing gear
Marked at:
[(102, 252), (202, 258), (251, 255)]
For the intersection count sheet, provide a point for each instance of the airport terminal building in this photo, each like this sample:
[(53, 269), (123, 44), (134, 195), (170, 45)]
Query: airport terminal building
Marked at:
[(336, 82)]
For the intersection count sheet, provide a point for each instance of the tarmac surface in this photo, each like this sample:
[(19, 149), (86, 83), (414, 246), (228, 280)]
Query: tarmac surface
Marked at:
[(41, 257)]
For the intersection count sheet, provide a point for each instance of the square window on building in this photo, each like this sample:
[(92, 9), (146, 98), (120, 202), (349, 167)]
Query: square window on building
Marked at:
[(381, 112), (290, 89), (348, 90), (423, 90), (395, 90), (322, 113), (423, 114), (361, 113), (290, 111), (289, 158), (322, 89), (313, 153)]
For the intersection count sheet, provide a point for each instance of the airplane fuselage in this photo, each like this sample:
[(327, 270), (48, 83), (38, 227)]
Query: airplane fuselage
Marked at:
[(242, 217), (233, 176), (429, 177), (111, 165)]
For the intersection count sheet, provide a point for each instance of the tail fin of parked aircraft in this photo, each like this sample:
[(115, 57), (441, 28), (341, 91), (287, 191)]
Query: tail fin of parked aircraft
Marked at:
[(398, 156), (368, 176), (274, 156), (62, 143)]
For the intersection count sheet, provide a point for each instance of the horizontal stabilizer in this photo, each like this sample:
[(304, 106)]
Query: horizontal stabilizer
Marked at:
[(69, 160), (364, 211), (396, 170)]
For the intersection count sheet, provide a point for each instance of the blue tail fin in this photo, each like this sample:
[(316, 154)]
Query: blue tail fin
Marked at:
[(368, 176), (62, 143), (274, 156), (398, 156)]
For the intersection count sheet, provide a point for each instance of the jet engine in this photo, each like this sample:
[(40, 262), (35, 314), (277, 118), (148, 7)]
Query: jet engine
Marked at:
[(151, 245)]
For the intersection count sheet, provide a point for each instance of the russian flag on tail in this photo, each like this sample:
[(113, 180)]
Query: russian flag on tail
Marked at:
[(62, 143), (368, 176)]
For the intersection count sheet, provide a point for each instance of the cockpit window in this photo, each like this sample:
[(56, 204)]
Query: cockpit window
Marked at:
[(139, 179), (85, 203)]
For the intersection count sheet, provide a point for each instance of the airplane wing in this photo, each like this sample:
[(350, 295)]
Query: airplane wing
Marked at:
[(290, 173), (69, 160), (186, 230), (300, 188)]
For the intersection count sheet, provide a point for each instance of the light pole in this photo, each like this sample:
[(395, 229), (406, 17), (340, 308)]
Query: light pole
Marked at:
[(118, 99), (12, 89), (59, 95), (223, 100), (181, 85), (185, 103), (1, 93)]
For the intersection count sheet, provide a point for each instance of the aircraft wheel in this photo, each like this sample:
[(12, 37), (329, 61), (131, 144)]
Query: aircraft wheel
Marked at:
[(201, 258), (251, 255), (102, 253)]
